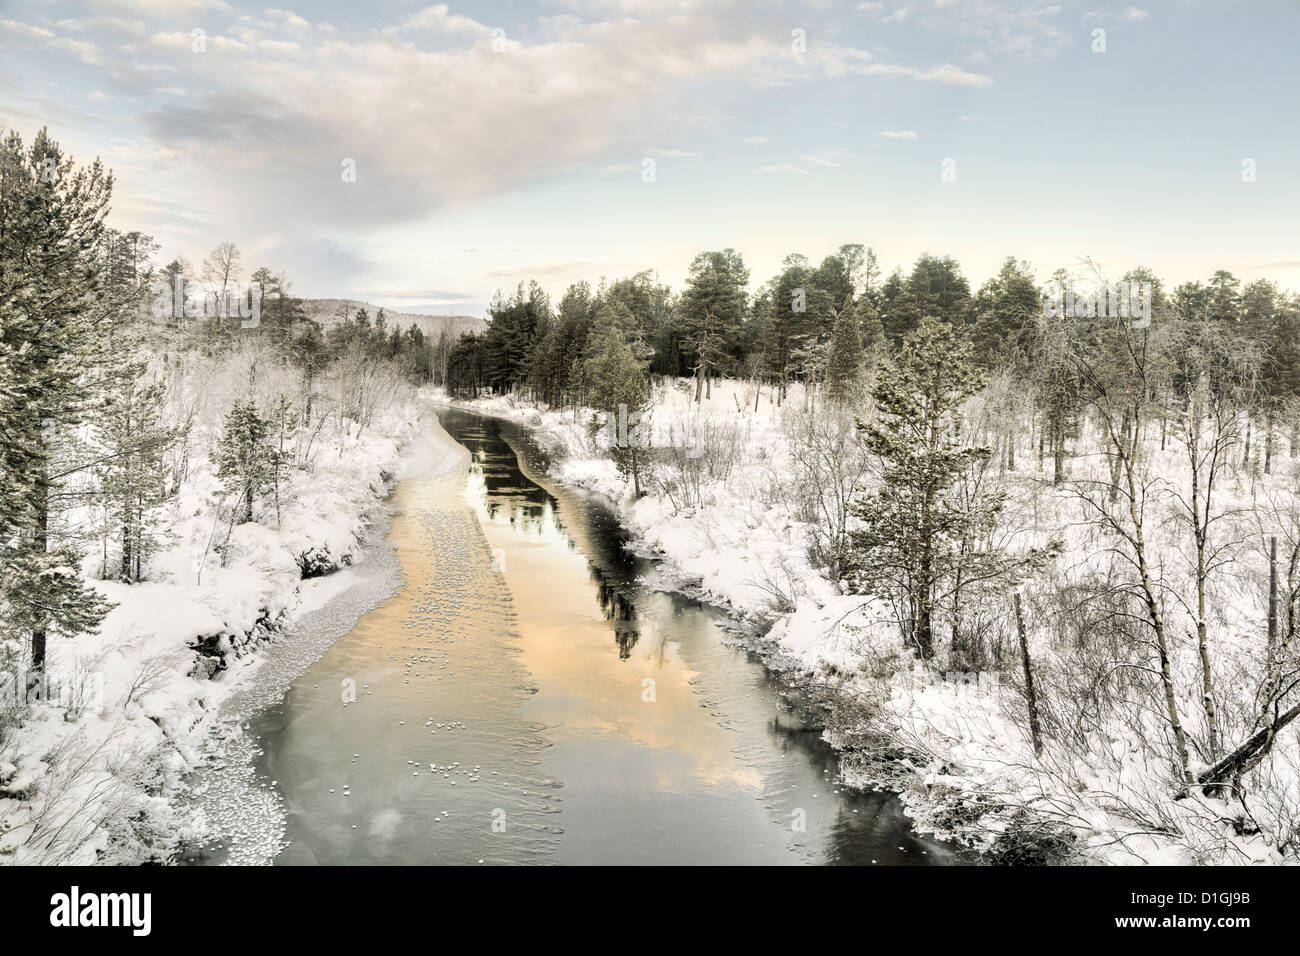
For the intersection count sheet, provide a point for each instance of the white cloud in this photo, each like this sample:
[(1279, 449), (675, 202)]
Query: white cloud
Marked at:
[(898, 134), (441, 19), (947, 74)]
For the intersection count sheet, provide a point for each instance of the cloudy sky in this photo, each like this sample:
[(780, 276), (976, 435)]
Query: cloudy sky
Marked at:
[(498, 141)]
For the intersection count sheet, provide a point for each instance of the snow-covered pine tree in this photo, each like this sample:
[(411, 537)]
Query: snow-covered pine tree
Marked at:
[(245, 454), (51, 222), (133, 472), (254, 451), (908, 546)]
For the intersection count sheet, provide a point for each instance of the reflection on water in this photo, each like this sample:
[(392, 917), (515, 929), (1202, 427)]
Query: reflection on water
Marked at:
[(522, 698), (406, 742), (671, 746)]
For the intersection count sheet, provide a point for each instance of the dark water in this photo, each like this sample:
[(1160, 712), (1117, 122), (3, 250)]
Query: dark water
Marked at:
[(524, 699)]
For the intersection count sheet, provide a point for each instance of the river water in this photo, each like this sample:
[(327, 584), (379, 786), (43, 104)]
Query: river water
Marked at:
[(524, 698)]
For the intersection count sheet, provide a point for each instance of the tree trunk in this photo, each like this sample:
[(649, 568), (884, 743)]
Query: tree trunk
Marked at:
[(1035, 733), (1248, 754), (40, 542), (1268, 445), (1058, 455), (1200, 532), (126, 550), (1153, 604), (1272, 592)]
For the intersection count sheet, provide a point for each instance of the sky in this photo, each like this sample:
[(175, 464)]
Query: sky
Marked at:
[(424, 157)]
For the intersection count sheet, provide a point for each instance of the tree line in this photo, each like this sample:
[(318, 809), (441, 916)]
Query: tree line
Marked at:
[(827, 326)]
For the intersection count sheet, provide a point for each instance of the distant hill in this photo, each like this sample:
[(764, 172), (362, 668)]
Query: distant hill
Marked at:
[(328, 311)]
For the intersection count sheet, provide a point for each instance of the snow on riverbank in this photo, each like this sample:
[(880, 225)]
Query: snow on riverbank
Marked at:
[(91, 775), (955, 745)]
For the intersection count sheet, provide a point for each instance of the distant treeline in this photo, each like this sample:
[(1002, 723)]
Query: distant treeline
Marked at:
[(787, 330)]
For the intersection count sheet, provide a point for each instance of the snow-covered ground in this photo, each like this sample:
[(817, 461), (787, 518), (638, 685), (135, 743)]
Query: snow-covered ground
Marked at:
[(955, 745), (93, 774)]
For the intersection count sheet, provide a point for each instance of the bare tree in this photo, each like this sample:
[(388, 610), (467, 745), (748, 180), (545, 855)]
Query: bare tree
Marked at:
[(220, 268), (1118, 375), (1212, 363)]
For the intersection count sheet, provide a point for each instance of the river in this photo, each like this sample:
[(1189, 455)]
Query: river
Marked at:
[(523, 698)]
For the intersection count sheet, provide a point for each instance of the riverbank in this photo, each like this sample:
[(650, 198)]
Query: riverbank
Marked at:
[(737, 531), (97, 773)]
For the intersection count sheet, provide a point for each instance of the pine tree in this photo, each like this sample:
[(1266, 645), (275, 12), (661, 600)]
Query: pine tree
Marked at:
[(909, 546), (845, 363), (132, 472), (873, 332), (247, 456), (711, 311), (51, 224), (619, 390)]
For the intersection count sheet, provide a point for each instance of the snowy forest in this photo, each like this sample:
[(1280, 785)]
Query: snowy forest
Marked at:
[(1038, 567), (1084, 523)]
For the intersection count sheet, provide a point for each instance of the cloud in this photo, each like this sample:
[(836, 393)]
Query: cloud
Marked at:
[(431, 116), (898, 134), (947, 74), (440, 18), (26, 31)]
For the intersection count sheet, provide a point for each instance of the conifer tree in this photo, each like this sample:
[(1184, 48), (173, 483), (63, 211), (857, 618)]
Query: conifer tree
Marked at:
[(711, 311), (909, 545), (845, 363), (132, 470), (246, 455), (51, 224), (619, 391)]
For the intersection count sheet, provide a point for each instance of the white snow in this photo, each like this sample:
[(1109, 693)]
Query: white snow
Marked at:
[(970, 766), (138, 705)]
